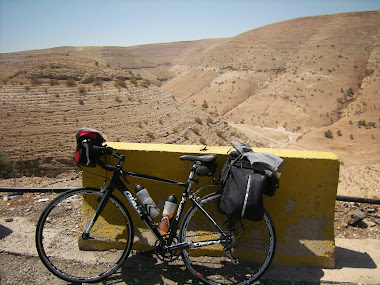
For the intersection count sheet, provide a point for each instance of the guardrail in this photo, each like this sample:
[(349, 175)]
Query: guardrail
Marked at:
[(36, 190)]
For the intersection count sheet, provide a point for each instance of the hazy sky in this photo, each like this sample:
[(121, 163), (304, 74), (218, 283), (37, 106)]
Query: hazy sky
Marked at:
[(37, 24)]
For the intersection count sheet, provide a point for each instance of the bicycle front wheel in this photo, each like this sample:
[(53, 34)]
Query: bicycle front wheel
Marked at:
[(240, 259), (76, 258)]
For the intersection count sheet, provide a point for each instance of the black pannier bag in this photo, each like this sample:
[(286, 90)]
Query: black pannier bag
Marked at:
[(83, 156), (243, 183)]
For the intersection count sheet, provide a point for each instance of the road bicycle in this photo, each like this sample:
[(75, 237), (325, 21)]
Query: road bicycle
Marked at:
[(85, 234)]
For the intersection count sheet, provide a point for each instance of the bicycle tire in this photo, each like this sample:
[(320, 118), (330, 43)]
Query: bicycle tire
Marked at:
[(253, 246), (63, 250)]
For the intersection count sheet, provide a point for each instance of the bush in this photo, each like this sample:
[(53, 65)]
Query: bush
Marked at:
[(82, 90), (70, 82), (204, 105), (120, 84), (372, 124), (198, 120), (145, 83), (35, 81), (350, 92), (53, 82), (362, 123), (195, 131), (133, 81), (328, 134), (6, 167)]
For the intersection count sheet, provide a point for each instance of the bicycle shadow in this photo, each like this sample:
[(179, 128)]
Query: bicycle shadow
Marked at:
[(4, 231), (148, 269)]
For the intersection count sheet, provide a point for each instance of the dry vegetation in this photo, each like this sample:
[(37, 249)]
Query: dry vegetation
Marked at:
[(309, 83)]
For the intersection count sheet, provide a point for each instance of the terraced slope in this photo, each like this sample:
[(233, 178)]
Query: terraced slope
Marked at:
[(38, 126)]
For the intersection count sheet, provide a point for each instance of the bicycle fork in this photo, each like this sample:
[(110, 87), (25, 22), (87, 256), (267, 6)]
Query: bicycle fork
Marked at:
[(102, 204)]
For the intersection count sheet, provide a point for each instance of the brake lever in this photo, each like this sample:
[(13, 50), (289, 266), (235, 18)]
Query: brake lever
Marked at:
[(87, 147)]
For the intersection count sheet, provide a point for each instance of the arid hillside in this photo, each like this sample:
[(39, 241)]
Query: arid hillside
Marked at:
[(153, 61), (304, 70), (38, 125), (308, 83)]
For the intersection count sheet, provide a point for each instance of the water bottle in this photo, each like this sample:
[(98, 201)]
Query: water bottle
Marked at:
[(167, 213), (146, 200)]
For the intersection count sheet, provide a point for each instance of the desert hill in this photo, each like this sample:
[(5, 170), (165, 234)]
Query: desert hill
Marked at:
[(300, 76), (295, 67), (150, 61), (307, 83)]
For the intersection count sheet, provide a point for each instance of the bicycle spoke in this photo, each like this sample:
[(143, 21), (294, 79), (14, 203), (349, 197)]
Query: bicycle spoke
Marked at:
[(241, 259)]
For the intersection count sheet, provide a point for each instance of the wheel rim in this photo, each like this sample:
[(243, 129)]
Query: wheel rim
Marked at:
[(72, 258)]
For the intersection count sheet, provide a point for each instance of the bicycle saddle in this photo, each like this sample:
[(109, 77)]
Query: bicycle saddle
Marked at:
[(208, 158)]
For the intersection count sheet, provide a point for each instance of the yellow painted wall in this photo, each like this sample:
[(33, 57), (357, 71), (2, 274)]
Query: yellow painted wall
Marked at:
[(302, 208)]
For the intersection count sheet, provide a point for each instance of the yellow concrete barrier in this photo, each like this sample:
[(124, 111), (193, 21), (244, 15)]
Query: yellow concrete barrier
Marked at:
[(302, 208)]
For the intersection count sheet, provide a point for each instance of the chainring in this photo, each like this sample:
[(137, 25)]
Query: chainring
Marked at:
[(165, 255)]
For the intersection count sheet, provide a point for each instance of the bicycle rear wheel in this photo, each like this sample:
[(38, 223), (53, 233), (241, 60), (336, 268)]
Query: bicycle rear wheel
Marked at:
[(72, 257), (251, 246)]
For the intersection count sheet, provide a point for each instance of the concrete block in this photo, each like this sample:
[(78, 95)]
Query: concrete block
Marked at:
[(302, 209)]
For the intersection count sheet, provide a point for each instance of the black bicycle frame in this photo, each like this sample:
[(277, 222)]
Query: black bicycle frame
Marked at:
[(117, 183)]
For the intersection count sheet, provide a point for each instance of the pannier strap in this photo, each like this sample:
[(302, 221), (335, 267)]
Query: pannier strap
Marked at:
[(208, 158)]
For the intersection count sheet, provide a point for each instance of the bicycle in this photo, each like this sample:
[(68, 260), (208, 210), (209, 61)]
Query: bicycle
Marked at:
[(71, 243)]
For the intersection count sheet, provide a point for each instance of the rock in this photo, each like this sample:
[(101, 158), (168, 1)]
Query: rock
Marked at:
[(357, 214), (356, 217), (43, 200)]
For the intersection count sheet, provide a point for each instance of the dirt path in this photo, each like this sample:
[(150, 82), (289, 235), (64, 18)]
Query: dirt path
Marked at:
[(268, 136)]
